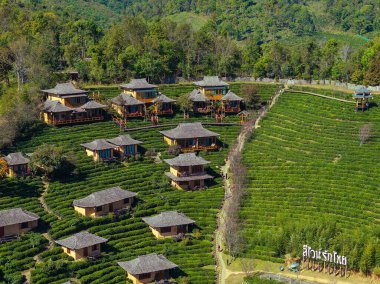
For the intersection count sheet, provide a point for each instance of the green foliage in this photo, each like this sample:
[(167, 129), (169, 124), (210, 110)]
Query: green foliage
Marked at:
[(258, 280), (309, 182), (128, 234), (49, 159)]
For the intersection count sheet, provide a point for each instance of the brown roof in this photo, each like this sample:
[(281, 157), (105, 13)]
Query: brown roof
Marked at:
[(103, 197), (81, 240), (64, 89), (188, 159), (188, 178), (188, 130), (197, 96), (16, 216), (147, 264), (14, 159), (211, 81), (92, 105), (138, 84), (231, 96), (55, 107), (126, 100), (124, 140), (98, 144), (168, 219), (163, 99)]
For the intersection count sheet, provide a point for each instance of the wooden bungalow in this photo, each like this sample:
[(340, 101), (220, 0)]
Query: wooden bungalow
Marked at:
[(148, 268), (362, 97), (17, 165), (231, 103), (169, 224), (67, 105), (55, 113), (82, 245), (201, 104), (191, 137), (125, 145), (163, 105), (93, 110), (187, 171), (103, 202), (67, 94), (16, 221), (140, 89), (99, 149), (128, 106), (212, 87)]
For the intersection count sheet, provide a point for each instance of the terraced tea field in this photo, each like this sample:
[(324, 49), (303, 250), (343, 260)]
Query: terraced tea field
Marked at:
[(128, 235), (311, 182)]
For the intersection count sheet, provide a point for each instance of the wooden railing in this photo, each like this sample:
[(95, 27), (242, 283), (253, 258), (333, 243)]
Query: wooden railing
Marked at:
[(231, 109), (75, 120), (201, 110), (186, 174), (133, 114), (199, 148), (165, 111)]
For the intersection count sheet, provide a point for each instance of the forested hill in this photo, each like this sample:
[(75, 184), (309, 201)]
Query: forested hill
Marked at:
[(266, 19)]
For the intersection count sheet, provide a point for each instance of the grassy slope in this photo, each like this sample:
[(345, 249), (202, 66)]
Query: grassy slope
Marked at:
[(129, 236), (305, 163)]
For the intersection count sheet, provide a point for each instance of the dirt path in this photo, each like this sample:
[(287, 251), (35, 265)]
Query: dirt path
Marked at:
[(222, 271), (319, 95), (42, 200)]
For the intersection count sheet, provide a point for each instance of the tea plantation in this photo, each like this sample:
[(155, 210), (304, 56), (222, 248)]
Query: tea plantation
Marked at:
[(310, 181), (128, 235)]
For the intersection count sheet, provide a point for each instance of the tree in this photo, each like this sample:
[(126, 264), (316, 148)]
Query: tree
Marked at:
[(185, 104), (365, 133), (35, 239), (48, 159), (368, 260), (3, 167), (249, 93)]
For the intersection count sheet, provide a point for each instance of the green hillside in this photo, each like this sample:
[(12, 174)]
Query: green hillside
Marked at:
[(310, 181)]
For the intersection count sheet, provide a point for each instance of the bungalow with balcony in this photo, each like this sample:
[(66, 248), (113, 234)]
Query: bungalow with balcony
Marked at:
[(67, 105), (201, 104), (128, 106), (187, 171), (231, 103), (141, 90), (125, 145), (99, 149), (148, 268), (16, 221), (191, 137), (82, 245), (163, 105), (67, 94), (103, 202), (212, 87), (169, 224), (17, 165)]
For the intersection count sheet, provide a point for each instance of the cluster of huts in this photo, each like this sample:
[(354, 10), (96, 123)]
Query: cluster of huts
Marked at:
[(187, 171), (143, 269), (66, 104)]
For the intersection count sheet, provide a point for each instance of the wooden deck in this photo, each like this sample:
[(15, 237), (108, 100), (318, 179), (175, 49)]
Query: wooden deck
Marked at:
[(73, 121), (200, 148)]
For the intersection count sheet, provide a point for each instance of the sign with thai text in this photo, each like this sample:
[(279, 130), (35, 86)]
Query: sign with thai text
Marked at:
[(323, 255)]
